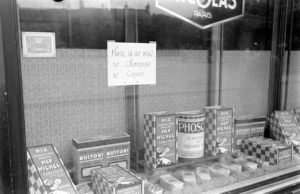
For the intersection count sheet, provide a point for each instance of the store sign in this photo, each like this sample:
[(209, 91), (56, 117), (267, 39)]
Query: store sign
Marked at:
[(203, 13), (131, 63), (38, 44)]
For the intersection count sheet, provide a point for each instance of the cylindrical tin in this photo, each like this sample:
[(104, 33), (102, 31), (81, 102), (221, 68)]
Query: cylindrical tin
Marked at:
[(190, 127)]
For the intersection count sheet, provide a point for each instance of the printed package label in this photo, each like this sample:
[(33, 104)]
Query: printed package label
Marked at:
[(106, 150), (247, 128), (190, 127), (46, 172), (116, 180), (273, 152), (160, 140), (218, 132), (285, 128)]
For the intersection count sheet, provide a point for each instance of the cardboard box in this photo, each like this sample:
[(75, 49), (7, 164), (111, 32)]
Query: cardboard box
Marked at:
[(160, 139), (285, 128), (248, 127), (218, 132), (46, 172), (273, 152), (116, 180), (101, 151), (170, 183)]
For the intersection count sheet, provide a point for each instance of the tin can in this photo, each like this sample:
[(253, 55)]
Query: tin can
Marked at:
[(190, 126)]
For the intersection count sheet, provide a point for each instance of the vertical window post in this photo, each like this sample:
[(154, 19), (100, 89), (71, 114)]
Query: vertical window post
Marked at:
[(12, 65)]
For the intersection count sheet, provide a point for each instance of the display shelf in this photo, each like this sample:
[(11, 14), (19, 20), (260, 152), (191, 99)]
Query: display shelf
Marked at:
[(275, 176), (275, 186), (181, 163), (263, 184), (271, 178)]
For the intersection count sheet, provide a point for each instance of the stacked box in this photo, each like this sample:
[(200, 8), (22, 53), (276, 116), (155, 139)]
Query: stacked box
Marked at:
[(248, 127), (100, 151), (273, 152), (285, 128), (46, 172), (218, 132), (116, 180), (160, 139)]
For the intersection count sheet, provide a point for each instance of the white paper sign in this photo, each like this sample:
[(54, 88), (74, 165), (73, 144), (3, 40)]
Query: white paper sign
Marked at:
[(38, 44), (131, 63)]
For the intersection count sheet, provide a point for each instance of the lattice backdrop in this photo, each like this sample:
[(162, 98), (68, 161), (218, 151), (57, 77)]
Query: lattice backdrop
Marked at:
[(68, 96)]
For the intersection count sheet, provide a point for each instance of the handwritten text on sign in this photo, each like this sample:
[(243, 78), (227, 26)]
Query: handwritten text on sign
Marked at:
[(131, 63)]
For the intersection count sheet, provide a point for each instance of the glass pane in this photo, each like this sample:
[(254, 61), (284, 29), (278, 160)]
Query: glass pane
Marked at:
[(293, 90), (67, 96), (182, 63), (246, 60)]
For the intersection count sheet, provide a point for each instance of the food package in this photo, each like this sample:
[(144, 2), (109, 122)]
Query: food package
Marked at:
[(273, 152), (46, 171), (285, 128), (99, 151), (170, 183), (218, 131), (160, 139), (116, 180)]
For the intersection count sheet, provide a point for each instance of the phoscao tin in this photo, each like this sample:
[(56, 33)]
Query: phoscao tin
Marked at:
[(190, 126)]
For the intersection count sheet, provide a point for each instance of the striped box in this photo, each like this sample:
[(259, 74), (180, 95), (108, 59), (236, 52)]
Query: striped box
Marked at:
[(248, 127), (46, 172), (160, 139), (218, 131), (285, 128), (268, 150)]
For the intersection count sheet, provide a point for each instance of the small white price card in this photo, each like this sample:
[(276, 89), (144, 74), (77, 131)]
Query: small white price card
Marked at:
[(38, 44), (131, 63)]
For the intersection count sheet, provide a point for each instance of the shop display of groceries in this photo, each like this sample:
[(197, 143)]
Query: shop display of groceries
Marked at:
[(116, 179), (229, 145), (285, 128)]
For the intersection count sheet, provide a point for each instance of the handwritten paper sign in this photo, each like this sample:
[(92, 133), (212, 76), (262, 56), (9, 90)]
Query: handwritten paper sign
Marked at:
[(38, 44), (131, 63)]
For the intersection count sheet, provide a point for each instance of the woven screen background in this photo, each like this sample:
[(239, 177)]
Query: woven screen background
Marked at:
[(182, 83), (67, 96), (245, 81), (293, 99)]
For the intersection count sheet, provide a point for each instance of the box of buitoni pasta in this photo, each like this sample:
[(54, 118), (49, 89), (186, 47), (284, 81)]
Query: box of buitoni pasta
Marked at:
[(100, 151)]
